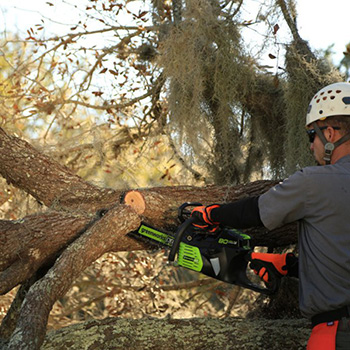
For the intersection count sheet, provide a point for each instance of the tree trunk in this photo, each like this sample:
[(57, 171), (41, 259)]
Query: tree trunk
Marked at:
[(106, 235), (171, 334)]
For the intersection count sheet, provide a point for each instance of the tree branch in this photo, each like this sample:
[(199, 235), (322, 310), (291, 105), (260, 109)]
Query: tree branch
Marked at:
[(29, 243), (8, 324), (47, 181), (158, 206), (110, 106), (289, 20), (108, 234)]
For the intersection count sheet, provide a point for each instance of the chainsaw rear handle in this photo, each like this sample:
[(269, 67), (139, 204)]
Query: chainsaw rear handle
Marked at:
[(178, 237), (271, 287)]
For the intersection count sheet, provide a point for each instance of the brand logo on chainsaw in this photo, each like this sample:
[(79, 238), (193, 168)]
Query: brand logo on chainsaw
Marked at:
[(227, 241), (156, 235)]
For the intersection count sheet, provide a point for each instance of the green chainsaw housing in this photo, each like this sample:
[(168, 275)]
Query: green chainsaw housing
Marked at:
[(223, 255)]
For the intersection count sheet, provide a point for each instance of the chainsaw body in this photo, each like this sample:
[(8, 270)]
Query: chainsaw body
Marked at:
[(223, 255)]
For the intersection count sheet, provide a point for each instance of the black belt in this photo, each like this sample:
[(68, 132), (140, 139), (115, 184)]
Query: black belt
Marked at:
[(331, 316)]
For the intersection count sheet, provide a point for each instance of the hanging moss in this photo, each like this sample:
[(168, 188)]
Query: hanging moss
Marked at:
[(209, 76), (238, 122), (266, 106), (306, 75)]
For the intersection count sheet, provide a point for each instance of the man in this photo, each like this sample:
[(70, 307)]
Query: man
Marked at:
[(318, 198)]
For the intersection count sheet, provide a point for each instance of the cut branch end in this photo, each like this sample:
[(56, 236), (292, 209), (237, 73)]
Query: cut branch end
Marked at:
[(135, 200)]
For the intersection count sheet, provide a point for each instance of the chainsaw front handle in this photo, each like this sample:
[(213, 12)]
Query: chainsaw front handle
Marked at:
[(178, 237), (183, 213)]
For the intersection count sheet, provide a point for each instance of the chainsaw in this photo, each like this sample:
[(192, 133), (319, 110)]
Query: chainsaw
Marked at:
[(223, 255)]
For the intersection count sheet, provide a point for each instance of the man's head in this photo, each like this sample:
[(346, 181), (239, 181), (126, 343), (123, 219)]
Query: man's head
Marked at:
[(328, 122)]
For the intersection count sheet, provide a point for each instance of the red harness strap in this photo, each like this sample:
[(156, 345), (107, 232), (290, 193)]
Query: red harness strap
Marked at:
[(323, 336)]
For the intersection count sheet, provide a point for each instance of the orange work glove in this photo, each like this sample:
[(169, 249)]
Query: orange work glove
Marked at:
[(280, 265), (204, 220)]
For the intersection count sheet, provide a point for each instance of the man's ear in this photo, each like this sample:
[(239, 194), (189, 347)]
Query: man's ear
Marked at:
[(330, 134)]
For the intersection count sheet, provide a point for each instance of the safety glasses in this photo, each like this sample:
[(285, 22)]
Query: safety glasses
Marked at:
[(312, 132)]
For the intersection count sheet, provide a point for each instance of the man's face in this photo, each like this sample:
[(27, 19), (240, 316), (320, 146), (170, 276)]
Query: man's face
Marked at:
[(317, 148)]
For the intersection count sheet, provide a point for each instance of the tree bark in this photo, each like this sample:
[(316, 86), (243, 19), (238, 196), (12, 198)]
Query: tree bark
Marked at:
[(27, 244), (38, 239), (9, 322), (171, 334)]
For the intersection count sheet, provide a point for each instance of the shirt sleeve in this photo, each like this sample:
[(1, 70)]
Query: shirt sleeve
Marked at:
[(243, 213), (285, 202)]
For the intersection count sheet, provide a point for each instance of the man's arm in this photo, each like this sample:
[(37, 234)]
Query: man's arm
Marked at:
[(243, 213)]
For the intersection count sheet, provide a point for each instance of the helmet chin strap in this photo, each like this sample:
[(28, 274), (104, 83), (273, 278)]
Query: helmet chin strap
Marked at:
[(329, 146)]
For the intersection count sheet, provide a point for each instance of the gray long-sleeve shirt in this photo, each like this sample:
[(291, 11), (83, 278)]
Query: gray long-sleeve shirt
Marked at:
[(319, 199)]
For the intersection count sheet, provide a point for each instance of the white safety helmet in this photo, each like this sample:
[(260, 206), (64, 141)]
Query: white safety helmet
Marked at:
[(330, 101)]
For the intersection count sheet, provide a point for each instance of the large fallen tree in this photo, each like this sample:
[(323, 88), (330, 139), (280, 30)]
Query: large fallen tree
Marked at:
[(194, 334), (46, 252)]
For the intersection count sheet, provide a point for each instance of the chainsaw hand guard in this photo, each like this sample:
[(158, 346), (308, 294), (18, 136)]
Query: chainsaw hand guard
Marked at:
[(201, 215)]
